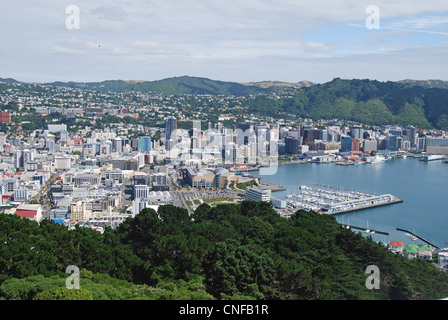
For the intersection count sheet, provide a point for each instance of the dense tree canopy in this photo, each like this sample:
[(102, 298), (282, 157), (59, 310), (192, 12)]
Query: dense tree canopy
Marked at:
[(365, 101), (242, 251)]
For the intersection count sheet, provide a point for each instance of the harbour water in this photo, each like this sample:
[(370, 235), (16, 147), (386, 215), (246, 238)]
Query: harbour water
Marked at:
[(423, 187)]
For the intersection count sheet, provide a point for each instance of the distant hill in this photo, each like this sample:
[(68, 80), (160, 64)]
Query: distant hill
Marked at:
[(269, 84), (176, 85), (441, 84), (365, 101), (418, 102), (9, 80)]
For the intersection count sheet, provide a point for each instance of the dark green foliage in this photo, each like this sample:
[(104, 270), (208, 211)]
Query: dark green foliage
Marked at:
[(30, 249), (244, 251), (365, 101), (176, 85)]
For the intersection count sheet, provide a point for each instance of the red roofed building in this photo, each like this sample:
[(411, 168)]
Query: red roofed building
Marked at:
[(30, 211), (396, 246), (5, 117)]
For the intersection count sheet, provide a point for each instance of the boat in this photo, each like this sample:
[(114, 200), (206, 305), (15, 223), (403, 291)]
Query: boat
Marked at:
[(432, 157), (378, 159), (367, 230)]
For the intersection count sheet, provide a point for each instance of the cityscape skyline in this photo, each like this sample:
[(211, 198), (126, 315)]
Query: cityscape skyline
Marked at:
[(253, 150)]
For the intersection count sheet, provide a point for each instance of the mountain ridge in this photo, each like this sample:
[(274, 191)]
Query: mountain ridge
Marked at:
[(202, 85)]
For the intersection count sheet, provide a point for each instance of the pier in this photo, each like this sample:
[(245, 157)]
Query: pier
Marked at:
[(271, 186), (365, 229), (424, 240), (331, 200), (363, 204)]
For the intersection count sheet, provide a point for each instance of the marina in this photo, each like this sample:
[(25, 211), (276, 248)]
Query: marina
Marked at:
[(418, 183), (334, 200)]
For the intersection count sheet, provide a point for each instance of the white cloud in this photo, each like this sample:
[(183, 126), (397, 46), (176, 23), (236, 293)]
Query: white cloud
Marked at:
[(248, 38), (316, 47)]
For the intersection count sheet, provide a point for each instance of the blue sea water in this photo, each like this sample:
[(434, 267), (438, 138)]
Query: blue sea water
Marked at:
[(423, 186)]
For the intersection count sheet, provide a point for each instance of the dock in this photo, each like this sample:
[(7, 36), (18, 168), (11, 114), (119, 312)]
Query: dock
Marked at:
[(424, 240), (369, 204), (331, 200), (364, 229), (271, 186)]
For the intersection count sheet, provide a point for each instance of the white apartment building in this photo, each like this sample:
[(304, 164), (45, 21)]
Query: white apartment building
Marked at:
[(258, 194)]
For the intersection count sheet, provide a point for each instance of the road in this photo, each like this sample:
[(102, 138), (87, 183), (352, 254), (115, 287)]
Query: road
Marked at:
[(178, 198)]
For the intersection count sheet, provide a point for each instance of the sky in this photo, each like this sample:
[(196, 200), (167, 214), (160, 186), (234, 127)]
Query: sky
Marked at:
[(228, 40)]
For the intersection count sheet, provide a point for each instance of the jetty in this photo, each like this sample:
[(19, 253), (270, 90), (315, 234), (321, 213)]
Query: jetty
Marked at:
[(365, 229), (271, 186), (331, 200), (415, 235)]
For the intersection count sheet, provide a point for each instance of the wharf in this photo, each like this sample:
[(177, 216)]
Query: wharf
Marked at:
[(424, 240), (368, 206), (371, 230), (271, 186)]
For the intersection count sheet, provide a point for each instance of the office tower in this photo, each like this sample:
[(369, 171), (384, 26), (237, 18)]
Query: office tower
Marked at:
[(346, 143), (411, 135), (292, 145), (144, 144), (243, 131), (117, 145), (169, 144), (18, 159), (171, 128), (356, 132), (64, 135)]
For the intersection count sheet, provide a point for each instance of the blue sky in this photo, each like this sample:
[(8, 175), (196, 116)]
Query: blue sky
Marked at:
[(229, 40)]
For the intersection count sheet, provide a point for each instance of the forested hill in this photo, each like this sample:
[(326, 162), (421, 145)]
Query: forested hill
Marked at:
[(233, 251), (427, 83), (408, 102), (176, 85), (366, 101), (371, 102)]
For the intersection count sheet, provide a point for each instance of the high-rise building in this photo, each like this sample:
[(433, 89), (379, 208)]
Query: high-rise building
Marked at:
[(369, 145), (356, 145), (346, 143), (292, 145), (144, 144), (356, 132), (171, 128), (310, 135), (411, 135), (244, 131), (117, 144), (64, 135), (18, 159)]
